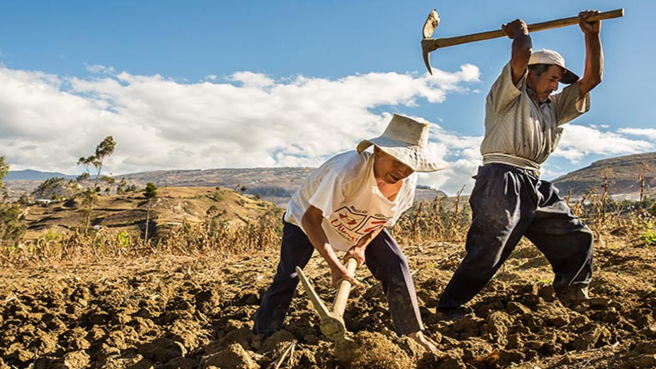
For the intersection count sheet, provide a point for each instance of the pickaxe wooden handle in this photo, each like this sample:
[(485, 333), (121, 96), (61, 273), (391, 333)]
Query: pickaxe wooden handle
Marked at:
[(332, 321), (344, 289), (431, 44)]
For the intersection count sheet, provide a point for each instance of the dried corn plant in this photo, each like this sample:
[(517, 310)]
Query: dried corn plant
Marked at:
[(442, 219), (189, 239), (437, 220)]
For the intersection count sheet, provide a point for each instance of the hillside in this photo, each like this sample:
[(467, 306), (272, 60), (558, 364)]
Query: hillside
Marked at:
[(275, 185), (172, 207), (622, 171)]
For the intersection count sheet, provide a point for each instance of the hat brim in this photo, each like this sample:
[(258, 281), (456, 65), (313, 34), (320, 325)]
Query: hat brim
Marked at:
[(414, 157), (569, 77)]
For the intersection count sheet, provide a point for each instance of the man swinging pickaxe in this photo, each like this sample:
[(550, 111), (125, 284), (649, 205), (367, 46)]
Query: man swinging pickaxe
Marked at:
[(429, 44)]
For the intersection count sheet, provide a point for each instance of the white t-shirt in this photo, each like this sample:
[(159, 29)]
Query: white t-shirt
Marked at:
[(344, 189)]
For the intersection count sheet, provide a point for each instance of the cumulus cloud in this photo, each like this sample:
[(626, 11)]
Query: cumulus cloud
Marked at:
[(580, 141), (463, 157), (245, 120), (649, 133)]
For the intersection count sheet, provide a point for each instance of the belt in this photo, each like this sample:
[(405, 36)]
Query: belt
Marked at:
[(524, 164)]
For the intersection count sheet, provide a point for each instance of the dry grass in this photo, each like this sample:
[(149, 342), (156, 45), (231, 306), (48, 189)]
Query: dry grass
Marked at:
[(443, 219), (207, 238)]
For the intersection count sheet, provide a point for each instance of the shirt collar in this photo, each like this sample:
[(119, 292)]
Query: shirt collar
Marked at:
[(534, 97)]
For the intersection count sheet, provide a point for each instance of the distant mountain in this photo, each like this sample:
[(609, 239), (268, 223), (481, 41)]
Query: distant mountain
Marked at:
[(278, 184), (622, 173), (272, 184), (34, 175)]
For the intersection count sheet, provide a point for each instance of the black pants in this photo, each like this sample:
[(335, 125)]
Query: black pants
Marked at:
[(508, 203), (384, 259)]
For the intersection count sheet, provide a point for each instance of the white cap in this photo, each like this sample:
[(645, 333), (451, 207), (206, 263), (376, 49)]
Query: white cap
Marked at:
[(546, 56)]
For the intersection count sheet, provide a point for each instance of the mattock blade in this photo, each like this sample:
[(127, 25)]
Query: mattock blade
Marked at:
[(319, 306), (332, 325)]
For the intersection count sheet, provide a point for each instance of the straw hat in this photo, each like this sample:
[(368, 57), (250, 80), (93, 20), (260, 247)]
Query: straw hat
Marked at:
[(546, 56), (407, 141)]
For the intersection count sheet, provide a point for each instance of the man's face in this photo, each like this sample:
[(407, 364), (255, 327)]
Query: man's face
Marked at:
[(546, 83), (388, 169)]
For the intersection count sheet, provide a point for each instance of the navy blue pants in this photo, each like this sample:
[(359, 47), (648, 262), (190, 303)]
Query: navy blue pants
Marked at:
[(508, 203), (384, 259)]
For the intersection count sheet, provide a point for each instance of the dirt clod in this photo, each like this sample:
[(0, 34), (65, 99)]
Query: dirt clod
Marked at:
[(371, 350)]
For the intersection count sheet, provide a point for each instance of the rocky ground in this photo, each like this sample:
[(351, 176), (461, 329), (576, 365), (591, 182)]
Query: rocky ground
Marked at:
[(184, 312)]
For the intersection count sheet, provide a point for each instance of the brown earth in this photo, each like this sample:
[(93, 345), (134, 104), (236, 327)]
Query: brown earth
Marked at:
[(182, 312)]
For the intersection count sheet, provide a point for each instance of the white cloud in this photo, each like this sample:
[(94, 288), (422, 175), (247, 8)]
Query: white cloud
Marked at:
[(580, 141), (649, 133), (463, 156), (100, 69), (246, 120)]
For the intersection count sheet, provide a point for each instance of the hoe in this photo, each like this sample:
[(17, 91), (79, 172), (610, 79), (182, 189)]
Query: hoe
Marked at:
[(332, 321)]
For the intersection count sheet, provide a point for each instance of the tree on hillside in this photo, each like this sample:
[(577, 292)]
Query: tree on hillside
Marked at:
[(642, 178), (4, 170), (12, 223), (89, 195), (120, 187), (150, 192), (55, 188)]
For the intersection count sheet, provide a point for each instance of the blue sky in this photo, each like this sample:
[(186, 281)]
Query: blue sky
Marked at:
[(213, 84)]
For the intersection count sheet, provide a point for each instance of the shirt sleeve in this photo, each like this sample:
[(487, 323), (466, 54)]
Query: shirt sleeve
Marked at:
[(568, 105), (329, 194), (503, 92)]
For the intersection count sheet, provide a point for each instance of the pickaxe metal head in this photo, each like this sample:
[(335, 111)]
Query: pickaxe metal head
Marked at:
[(432, 22)]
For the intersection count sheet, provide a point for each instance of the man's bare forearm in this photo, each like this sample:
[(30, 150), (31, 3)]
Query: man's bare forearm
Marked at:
[(312, 225), (594, 63)]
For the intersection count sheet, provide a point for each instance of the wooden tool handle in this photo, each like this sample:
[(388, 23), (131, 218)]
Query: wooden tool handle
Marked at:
[(344, 289), (450, 41)]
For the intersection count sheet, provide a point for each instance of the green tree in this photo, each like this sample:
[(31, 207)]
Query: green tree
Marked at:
[(90, 194), (55, 188), (120, 187), (150, 192), (12, 222), (4, 170)]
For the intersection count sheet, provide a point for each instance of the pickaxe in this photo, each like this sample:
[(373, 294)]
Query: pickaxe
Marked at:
[(429, 45), (332, 321)]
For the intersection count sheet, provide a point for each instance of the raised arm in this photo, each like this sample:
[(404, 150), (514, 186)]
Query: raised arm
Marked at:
[(522, 47), (594, 54)]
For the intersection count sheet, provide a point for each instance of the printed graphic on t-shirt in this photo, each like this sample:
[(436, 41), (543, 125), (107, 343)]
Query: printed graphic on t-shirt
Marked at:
[(352, 224), (350, 219)]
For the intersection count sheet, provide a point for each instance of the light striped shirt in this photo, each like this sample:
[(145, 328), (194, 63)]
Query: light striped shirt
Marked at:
[(521, 131)]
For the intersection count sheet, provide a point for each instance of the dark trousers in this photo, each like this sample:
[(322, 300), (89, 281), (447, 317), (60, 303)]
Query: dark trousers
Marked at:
[(384, 259), (508, 203)]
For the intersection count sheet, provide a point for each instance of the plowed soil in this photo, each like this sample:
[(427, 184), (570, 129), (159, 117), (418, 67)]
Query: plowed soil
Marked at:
[(182, 312)]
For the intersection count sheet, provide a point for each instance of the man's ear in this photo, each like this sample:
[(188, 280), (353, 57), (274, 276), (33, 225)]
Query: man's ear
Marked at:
[(530, 77), (529, 73)]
